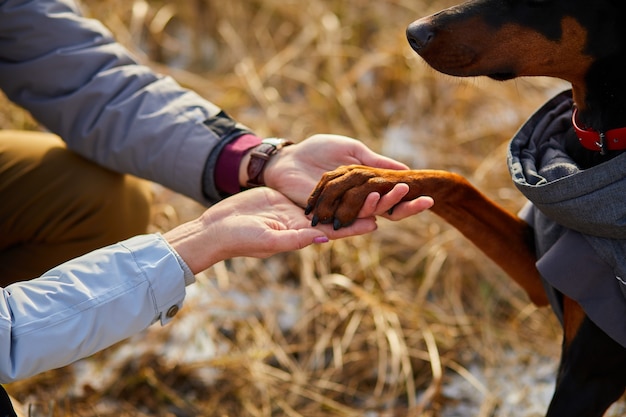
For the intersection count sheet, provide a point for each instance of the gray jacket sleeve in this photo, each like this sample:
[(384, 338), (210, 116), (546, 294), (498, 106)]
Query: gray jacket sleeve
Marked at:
[(73, 77)]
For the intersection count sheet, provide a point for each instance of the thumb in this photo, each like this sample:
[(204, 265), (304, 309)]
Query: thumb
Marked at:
[(311, 236), (371, 158)]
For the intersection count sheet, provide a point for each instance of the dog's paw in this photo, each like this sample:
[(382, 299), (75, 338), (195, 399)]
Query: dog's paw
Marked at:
[(339, 196)]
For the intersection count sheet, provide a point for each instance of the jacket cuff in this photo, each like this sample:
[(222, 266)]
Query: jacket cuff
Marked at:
[(164, 270), (228, 130), (229, 161)]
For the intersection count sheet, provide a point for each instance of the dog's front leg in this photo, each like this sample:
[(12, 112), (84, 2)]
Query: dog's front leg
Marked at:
[(503, 237)]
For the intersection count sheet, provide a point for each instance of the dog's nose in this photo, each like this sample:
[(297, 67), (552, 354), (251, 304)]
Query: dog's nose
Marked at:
[(419, 35)]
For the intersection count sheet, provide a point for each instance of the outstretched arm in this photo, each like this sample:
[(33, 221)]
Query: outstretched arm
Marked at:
[(105, 296)]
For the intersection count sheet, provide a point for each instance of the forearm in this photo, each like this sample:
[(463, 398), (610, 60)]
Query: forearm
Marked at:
[(76, 80), (88, 304)]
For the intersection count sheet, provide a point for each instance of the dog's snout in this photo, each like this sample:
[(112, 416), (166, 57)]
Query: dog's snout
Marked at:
[(419, 35)]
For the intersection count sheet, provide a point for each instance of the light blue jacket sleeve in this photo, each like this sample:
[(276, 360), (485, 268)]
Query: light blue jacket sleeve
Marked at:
[(73, 77), (88, 304)]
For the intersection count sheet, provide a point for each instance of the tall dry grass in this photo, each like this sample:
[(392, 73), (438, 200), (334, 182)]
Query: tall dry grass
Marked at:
[(373, 324)]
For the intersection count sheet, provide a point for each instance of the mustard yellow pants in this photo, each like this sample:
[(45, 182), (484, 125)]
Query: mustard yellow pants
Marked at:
[(56, 205)]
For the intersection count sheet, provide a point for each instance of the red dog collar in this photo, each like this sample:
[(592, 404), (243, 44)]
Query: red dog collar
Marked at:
[(611, 140)]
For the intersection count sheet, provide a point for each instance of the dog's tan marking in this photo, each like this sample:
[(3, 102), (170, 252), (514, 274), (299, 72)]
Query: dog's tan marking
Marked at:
[(573, 316), (538, 56), (473, 48)]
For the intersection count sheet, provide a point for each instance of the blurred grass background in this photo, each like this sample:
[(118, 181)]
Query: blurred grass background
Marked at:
[(376, 325)]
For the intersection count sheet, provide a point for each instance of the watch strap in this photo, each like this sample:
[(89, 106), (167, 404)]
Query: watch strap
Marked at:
[(259, 156)]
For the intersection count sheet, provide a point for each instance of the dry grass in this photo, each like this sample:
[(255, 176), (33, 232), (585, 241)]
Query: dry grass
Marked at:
[(378, 322)]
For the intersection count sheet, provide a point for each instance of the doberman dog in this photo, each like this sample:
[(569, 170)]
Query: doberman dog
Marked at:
[(583, 42)]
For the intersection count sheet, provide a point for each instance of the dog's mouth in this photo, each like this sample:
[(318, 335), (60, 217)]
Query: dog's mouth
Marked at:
[(472, 69), (460, 60), (502, 75)]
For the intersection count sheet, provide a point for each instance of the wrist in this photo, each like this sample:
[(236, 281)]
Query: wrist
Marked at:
[(256, 162), (194, 243)]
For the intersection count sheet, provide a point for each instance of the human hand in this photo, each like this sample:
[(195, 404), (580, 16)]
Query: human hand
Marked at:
[(258, 223), (296, 170)]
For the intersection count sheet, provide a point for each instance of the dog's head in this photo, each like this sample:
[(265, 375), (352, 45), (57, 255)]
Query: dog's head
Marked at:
[(504, 39)]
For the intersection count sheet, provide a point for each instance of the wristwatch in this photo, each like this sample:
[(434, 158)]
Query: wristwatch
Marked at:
[(259, 157)]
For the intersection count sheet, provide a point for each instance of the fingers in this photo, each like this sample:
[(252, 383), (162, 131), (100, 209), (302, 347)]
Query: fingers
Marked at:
[(375, 205), (391, 206), (409, 208), (370, 205), (290, 239), (392, 198), (359, 227)]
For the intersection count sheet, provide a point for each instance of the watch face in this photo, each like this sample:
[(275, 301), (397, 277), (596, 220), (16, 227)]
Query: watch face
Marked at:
[(277, 142)]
